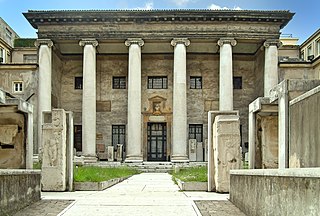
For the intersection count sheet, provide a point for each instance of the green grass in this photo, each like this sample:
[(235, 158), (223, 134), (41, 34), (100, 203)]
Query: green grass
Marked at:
[(245, 165), (36, 165), (192, 174), (98, 174)]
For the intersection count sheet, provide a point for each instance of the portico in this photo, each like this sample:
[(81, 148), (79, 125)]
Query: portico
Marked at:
[(125, 81)]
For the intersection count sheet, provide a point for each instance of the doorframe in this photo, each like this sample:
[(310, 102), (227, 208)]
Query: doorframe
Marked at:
[(164, 144)]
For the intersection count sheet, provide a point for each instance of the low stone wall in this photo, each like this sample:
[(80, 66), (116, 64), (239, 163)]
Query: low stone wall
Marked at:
[(192, 186), (276, 191), (18, 189), (97, 186)]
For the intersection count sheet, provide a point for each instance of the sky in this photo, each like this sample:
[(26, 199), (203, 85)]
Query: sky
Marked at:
[(304, 23)]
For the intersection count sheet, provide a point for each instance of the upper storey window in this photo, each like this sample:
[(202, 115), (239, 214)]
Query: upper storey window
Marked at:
[(157, 82), (119, 83), (196, 82)]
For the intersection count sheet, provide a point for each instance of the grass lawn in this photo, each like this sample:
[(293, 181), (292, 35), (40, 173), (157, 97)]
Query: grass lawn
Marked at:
[(97, 174), (192, 174)]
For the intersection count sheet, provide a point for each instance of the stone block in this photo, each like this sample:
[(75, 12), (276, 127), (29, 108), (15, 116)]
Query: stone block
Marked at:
[(54, 152), (226, 148), (119, 152), (192, 150), (110, 153), (101, 148), (199, 151)]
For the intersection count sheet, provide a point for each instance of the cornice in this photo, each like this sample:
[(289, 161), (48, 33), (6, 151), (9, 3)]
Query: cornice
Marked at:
[(37, 18)]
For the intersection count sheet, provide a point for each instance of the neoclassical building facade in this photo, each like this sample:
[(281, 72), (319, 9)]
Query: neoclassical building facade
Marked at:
[(146, 79)]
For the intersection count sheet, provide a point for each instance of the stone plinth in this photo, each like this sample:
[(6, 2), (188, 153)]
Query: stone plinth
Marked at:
[(199, 151), (226, 148), (54, 137), (192, 150), (110, 153), (119, 152)]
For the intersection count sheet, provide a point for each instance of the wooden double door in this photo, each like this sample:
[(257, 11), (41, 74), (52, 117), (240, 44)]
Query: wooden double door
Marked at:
[(157, 142)]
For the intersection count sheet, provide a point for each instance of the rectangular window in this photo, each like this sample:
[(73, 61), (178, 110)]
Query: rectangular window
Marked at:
[(237, 82), (118, 135), (309, 51), (8, 34), (2, 54), (318, 47), (78, 82), (17, 86), (302, 55), (119, 83), (30, 58), (195, 82), (196, 132), (78, 137), (157, 82)]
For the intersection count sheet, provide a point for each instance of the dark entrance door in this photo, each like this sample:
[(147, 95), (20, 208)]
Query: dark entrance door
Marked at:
[(157, 142)]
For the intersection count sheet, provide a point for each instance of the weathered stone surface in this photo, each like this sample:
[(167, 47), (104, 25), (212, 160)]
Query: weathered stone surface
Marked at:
[(19, 188), (119, 152), (12, 138), (54, 152), (192, 149), (192, 186), (110, 153), (276, 191), (199, 151), (226, 147), (206, 150)]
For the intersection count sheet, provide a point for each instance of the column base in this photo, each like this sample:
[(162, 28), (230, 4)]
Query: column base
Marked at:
[(134, 159), (180, 159)]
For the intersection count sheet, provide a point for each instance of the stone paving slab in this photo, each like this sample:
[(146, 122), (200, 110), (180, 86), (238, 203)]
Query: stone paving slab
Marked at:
[(45, 208), (218, 208)]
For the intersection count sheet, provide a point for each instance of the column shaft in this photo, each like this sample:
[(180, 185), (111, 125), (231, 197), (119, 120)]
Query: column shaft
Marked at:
[(134, 145), (89, 98), (270, 65), (179, 118), (226, 76), (44, 83), (252, 140)]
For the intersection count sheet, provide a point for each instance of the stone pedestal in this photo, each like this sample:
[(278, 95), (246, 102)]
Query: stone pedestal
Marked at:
[(199, 151), (44, 83), (179, 118), (134, 145), (110, 153), (192, 150), (54, 151), (226, 148), (89, 97), (226, 76), (119, 152)]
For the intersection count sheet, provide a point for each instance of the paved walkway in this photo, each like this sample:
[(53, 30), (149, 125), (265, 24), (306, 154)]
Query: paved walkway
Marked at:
[(143, 194)]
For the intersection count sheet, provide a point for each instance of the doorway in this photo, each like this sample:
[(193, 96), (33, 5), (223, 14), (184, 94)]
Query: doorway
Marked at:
[(157, 142)]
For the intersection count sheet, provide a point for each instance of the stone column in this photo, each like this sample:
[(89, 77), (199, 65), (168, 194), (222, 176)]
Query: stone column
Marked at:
[(134, 145), (271, 65), (226, 76), (252, 139), (89, 98), (179, 118), (44, 83)]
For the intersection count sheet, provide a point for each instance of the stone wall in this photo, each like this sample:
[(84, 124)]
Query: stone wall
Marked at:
[(57, 70), (19, 188), (29, 76), (259, 74), (276, 191), (304, 138), (12, 138), (112, 103), (290, 71)]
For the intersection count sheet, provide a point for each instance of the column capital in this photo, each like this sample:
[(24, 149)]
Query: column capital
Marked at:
[(88, 41), (131, 41), (272, 42), (176, 41), (230, 41), (40, 42)]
